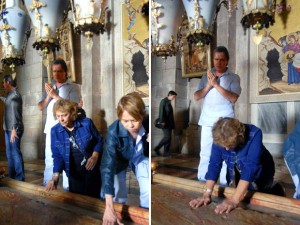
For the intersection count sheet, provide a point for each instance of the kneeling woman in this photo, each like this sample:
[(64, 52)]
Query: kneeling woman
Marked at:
[(240, 146), (76, 147), (126, 142)]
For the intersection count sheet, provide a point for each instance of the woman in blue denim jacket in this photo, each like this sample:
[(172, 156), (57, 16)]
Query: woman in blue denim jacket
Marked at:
[(240, 146), (76, 147), (291, 154), (126, 143)]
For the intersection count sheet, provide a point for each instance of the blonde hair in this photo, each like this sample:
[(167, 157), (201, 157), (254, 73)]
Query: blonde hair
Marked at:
[(65, 105), (228, 132), (133, 104)]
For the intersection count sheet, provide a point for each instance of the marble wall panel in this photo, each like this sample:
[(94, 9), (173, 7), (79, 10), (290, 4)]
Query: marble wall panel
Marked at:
[(190, 140), (272, 118), (161, 64), (275, 149), (29, 110), (297, 111), (29, 150)]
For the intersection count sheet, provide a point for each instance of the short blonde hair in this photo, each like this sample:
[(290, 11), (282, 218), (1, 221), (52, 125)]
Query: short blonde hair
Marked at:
[(65, 105), (228, 132), (133, 104)]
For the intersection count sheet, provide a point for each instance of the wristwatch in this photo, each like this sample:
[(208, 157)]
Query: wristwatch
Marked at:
[(207, 190)]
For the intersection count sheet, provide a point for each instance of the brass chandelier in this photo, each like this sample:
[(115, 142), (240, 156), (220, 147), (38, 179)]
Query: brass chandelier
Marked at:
[(166, 19), (15, 31), (167, 24), (46, 17), (258, 14), (89, 18), (201, 18)]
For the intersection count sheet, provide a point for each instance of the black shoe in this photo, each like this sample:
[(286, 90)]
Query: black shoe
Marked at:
[(166, 154), (277, 189), (157, 152)]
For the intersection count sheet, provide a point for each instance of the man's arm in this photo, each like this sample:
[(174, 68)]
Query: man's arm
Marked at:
[(44, 103), (231, 96), (203, 88), (162, 111), (15, 103), (201, 93), (51, 94)]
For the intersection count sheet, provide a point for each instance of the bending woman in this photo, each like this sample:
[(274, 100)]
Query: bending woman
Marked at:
[(126, 143), (76, 147), (240, 146)]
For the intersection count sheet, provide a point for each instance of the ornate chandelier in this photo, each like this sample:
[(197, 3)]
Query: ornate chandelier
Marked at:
[(15, 31), (89, 18), (46, 17), (201, 16), (258, 14), (166, 19)]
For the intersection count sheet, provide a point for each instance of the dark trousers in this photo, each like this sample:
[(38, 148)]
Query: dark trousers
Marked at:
[(166, 141), (82, 181), (264, 182)]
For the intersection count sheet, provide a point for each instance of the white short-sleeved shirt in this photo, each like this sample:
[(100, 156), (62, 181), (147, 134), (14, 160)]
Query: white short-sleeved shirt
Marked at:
[(214, 104), (67, 90)]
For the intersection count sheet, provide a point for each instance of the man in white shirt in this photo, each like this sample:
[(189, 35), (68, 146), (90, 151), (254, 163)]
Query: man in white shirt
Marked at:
[(220, 89)]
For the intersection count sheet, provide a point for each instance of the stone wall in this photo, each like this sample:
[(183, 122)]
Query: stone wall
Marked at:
[(30, 82)]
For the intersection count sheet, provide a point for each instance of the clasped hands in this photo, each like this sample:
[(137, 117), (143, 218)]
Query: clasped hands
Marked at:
[(226, 206), (211, 78), (50, 91)]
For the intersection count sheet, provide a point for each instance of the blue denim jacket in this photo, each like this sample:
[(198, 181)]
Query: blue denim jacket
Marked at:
[(252, 160), (86, 136), (119, 151), (291, 150)]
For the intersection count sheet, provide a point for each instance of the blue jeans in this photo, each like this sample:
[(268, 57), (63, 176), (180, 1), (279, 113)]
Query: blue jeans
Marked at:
[(120, 188), (295, 176), (143, 178), (14, 156)]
